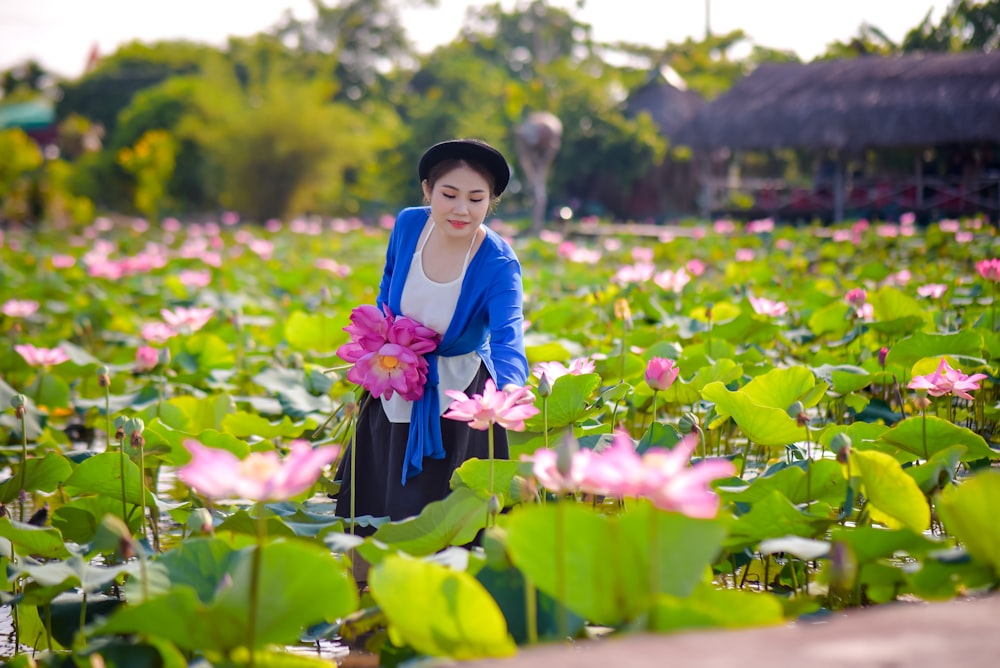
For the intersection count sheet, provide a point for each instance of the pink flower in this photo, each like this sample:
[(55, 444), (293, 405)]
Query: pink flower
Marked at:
[(932, 290), (44, 357), (661, 373), (946, 380), (493, 406), (744, 255), (663, 476), (387, 352), (672, 281), (19, 308), (146, 358), (764, 306), (554, 370), (545, 468), (989, 269), (157, 332), (695, 267), (856, 297), (190, 319), (333, 267), (642, 255), (63, 261), (261, 476), (393, 368), (640, 272), (194, 278)]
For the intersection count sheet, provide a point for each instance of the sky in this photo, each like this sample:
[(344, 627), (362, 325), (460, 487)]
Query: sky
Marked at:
[(60, 33)]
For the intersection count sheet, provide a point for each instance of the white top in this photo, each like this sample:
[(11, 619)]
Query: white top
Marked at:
[(433, 304)]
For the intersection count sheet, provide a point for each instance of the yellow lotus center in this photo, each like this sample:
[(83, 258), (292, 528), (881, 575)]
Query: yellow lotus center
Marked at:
[(257, 466), (388, 361)]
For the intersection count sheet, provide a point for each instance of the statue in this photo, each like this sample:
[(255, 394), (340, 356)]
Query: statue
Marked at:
[(537, 140)]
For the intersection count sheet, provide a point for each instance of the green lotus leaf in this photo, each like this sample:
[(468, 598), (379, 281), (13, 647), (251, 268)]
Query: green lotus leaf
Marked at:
[(764, 425), (893, 497), (924, 436), (456, 617), (968, 511)]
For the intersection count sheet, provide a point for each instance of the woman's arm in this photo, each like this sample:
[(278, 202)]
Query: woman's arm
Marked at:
[(506, 324)]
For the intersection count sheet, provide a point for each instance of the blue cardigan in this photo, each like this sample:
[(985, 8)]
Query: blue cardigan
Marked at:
[(488, 320)]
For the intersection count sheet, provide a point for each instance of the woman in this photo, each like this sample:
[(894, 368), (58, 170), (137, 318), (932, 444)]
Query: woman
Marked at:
[(448, 271)]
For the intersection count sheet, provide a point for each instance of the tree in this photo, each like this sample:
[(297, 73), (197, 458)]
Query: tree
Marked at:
[(279, 144), (965, 25), (354, 41), (102, 93)]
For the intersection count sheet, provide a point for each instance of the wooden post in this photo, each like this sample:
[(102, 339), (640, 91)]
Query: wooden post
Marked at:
[(838, 189)]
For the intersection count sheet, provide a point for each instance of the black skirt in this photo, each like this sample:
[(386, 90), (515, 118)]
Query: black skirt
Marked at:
[(379, 467)]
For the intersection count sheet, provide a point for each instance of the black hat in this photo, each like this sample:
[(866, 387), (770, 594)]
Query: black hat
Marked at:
[(471, 150)]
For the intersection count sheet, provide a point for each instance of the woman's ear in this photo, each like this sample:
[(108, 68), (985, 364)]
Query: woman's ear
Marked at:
[(427, 191)]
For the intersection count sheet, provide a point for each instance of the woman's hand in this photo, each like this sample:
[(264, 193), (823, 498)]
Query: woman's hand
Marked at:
[(521, 394)]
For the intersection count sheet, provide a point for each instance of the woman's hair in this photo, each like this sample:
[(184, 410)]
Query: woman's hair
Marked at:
[(445, 166)]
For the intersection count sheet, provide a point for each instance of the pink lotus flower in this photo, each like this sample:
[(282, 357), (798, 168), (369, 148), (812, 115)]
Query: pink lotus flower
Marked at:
[(387, 352), (661, 373), (663, 476), (19, 308), (43, 357), (63, 261), (146, 358), (190, 319), (554, 370), (157, 332), (946, 380), (672, 281), (989, 269), (932, 290), (856, 297), (764, 306), (493, 406), (744, 255), (393, 368), (545, 468), (261, 476), (194, 278), (695, 267)]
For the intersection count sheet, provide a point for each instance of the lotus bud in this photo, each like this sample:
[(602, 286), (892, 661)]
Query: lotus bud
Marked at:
[(843, 571), (623, 311), (689, 422), (798, 412), (120, 427), (841, 441), (565, 453), (882, 354), (113, 535), (494, 506), (200, 522), (544, 386), (103, 376), (134, 428), (18, 402), (164, 357), (922, 402)]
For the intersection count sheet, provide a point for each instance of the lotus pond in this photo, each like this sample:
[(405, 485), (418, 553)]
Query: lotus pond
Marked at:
[(840, 382)]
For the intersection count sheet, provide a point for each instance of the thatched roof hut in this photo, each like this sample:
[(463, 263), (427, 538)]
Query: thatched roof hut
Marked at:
[(666, 99), (856, 104)]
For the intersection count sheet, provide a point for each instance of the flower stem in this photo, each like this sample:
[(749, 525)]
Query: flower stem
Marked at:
[(655, 392), (561, 612), (142, 491), (531, 609), (24, 465), (121, 451), (255, 580), (654, 565), (490, 517)]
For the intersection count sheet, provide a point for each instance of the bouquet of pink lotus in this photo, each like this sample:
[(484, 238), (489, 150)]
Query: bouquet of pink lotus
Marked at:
[(387, 352)]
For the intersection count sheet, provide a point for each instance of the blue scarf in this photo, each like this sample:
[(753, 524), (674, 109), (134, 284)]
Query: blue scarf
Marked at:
[(466, 332)]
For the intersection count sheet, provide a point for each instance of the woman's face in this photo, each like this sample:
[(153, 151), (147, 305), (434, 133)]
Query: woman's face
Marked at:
[(460, 200)]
